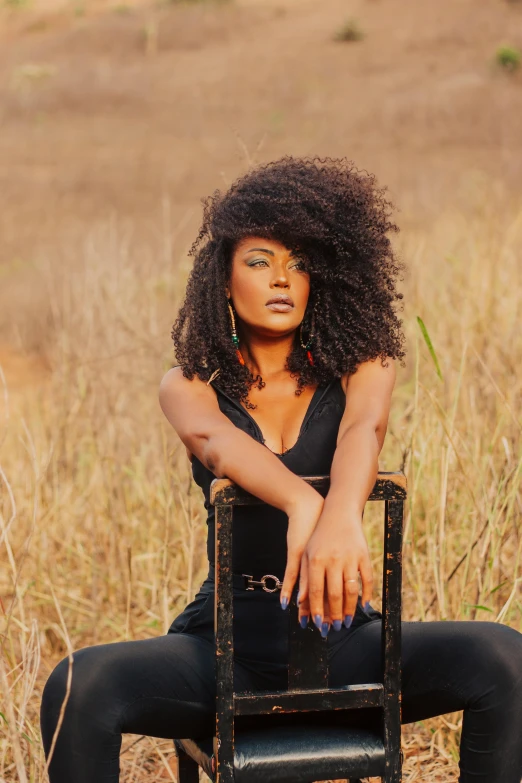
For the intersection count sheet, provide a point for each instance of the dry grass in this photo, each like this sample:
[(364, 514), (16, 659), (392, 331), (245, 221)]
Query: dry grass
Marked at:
[(104, 533)]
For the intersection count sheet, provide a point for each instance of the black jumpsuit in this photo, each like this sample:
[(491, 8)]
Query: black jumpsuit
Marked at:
[(165, 686)]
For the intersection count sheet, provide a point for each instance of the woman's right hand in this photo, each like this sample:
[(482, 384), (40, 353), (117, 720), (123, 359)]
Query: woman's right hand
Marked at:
[(303, 516)]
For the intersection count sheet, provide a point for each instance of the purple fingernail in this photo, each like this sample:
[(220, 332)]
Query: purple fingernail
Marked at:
[(304, 621), (284, 602), (324, 630), (348, 620), (366, 606), (337, 624), (318, 620)]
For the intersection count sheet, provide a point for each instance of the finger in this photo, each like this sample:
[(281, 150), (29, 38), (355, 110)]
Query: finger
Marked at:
[(316, 577), (302, 600), (302, 595), (351, 593), (367, 582), (335, 596), (327, 617), (293, 562), (304, 613)]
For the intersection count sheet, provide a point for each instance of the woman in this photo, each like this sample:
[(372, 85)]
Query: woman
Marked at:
[(286, 342)]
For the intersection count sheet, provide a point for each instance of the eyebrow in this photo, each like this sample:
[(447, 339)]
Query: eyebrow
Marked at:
[(262, 249)]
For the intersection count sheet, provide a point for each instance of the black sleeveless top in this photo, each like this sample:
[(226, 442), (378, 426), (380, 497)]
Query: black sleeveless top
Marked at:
[(259, 532)]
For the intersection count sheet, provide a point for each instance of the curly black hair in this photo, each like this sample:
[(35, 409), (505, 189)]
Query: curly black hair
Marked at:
[(336, 218)]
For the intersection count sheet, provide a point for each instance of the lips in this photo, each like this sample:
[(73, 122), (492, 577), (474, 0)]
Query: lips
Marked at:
[(281, 299)]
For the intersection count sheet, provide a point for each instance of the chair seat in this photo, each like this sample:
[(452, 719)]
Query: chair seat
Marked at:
[(297, 754)]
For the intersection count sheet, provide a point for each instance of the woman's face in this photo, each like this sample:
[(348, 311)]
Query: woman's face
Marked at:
[(268, 286)]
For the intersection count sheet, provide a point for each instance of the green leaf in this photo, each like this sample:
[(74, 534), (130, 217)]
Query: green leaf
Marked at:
[(478, 606), (430, 345), (498, 587)]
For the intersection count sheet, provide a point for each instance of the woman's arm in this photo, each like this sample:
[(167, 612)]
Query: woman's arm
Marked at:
[(337, 549), (192, 409)]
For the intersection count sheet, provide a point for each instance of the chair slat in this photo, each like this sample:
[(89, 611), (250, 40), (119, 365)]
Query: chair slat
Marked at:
[(391, 637), (389, 486), (307, 654), (224, 659), (349, 696)]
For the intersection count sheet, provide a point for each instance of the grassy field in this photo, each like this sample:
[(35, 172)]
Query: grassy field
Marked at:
[(102, 531)]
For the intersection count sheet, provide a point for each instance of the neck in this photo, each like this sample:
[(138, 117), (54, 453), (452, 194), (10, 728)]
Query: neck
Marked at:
[(266, 356)]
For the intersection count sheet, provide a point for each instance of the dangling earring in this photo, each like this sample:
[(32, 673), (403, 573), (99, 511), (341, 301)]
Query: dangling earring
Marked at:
[(235, 338), (306, 346)]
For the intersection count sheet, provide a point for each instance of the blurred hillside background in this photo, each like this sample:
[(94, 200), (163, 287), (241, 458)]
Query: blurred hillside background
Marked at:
[(115, 119)]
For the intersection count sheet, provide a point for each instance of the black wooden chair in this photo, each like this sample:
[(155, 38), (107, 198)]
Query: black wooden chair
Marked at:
[(315, 744)]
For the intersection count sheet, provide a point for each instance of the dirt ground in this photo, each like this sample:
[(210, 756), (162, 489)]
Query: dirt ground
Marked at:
[(137, 110)]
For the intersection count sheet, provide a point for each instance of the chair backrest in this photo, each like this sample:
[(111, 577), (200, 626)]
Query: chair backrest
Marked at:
[(308, 669)]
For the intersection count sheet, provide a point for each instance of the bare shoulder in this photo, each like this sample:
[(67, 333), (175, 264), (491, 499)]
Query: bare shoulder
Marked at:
[(371, 375), (188, 404), (175, 385), (174, 379)]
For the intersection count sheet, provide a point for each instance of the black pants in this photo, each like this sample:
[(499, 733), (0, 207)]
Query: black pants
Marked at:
[(165, 687)]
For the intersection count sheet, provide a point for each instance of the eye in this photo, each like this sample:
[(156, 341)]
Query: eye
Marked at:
[(299, 265), (258, 261)]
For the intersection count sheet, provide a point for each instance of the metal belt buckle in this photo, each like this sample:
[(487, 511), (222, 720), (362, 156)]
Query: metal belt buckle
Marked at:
[(251, 582)]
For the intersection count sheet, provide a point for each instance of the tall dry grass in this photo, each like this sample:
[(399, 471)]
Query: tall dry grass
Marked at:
[(103, 533)]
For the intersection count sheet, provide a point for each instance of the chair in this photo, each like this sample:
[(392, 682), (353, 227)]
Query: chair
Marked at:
[(320, 747)]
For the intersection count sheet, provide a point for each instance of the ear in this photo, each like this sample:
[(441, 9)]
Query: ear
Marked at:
[(227, 292)]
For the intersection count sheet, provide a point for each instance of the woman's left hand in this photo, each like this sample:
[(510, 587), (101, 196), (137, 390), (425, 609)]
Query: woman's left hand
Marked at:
[(334, 556)]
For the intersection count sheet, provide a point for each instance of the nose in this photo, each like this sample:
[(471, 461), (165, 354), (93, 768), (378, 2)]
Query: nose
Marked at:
[(280, 277)]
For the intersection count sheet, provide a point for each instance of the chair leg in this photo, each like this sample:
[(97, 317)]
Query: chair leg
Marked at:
[(394, 771), (188, 769)]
